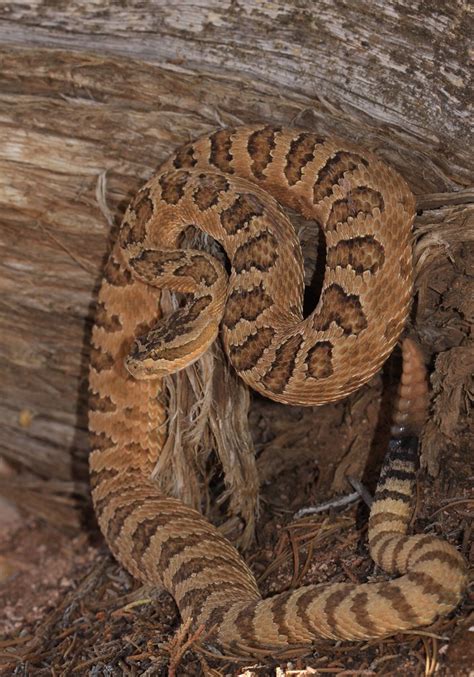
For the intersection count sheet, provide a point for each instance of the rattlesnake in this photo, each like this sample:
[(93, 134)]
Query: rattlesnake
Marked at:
[(227, 184)]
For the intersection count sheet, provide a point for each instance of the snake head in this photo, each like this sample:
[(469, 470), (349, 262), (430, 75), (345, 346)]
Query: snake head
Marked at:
[(173, 344)]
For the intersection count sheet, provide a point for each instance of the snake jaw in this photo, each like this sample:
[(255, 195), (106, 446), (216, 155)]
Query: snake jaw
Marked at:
[(141, 372), (153, 357)]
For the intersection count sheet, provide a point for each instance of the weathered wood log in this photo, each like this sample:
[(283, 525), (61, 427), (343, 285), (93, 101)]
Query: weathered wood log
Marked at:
[(93, 99)]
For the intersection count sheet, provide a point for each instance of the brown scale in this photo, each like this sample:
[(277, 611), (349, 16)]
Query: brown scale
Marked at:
[(246, 305), (333, 171), (102, 476), (412, 399), (210, 188), (105, 320), (301, 152), (116, 275), (199, 269), (343, 309), (158, 538), (100, 441), (142, 207), (101, 403), (172, 186), (319, 360), (360, 200), (260, 146), (150, 265), (184, 158), (260, 252), (245, 356), (360, 253), (177, 325), (283, 364), (220, 155), (238, 216), (100, 360)]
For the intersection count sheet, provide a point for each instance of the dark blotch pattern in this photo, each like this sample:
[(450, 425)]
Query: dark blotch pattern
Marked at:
[(145, 531), (196, 565), (302, 609), (360, 253), (278, 610), (160, 342), (246, 355), (209, 189), (101, 360), (103, 319), (198, 306), (173, 326), (178, 543), (196, 599), (382, 495), (333, 171), (361, 200), (116, 274), (220, 155), (245, 623), (395, 597), (259, 147), (200, 269), (99, 476), (173, 185), (121, 514), (246, 305), (283, 364), (142, 208), (184, 158), (102, 403), (411, 554), (359, 608), (259, 252), (452, 561), (151, 263), (379, 545), (100, 441), (240, 213), (341, 308), (301, 152), (332, 604), (319, 360)]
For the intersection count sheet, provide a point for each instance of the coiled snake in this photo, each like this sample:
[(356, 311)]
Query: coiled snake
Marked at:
[(227, 184)]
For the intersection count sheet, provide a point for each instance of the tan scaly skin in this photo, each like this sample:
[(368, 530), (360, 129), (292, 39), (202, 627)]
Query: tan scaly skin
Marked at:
[(226, 184)]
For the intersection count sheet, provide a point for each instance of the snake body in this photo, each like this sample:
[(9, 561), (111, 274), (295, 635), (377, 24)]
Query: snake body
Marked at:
[(231, 185)]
